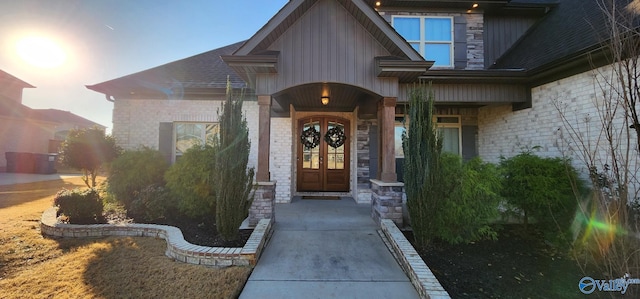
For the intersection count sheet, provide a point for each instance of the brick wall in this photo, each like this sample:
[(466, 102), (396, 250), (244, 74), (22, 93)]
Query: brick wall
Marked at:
[(136, 122), (280, 158), (506, 133)]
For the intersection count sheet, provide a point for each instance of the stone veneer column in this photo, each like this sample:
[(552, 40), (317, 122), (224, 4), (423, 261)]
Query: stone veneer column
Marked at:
[(386, 201), (263, 203)]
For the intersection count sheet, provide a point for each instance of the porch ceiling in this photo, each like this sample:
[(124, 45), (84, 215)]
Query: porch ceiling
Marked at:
[(307, 97)]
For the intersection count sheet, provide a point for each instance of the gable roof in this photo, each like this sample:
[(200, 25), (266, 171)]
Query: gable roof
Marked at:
[(60, 116), (6, 78), (572, 28), (16, 110), (205, 70), (361, 11)]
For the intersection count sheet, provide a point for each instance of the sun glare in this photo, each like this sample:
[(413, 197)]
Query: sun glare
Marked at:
[(41, 52)]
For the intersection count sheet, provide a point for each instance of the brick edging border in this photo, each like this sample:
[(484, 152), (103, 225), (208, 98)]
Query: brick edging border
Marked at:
[(177, 247), (419, 273)]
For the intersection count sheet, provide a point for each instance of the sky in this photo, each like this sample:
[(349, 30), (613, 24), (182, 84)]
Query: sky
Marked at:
[(91, 41)]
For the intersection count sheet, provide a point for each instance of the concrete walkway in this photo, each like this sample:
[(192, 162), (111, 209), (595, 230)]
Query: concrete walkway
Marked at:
[(20, 178), (326, 249)]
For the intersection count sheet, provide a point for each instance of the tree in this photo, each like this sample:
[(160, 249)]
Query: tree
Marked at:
[(607, 143), (234, 182), (87, 150)]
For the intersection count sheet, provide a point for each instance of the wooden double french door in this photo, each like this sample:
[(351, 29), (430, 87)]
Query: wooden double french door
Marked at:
[(323, 154)]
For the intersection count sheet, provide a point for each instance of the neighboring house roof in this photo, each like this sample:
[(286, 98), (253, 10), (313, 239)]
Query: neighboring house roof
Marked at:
[(60, 116), (20, 111), (205, 70), (6, 78), (14, 109)]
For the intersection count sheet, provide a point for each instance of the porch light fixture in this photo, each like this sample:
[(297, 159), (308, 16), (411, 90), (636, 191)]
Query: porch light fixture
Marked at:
[(475, 5), (324, 100)]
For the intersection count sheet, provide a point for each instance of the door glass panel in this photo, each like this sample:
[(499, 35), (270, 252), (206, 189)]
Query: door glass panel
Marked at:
[(335, 155), (311, 153)]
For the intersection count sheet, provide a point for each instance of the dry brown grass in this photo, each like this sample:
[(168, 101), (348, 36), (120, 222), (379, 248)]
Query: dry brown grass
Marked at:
[(35, 267)]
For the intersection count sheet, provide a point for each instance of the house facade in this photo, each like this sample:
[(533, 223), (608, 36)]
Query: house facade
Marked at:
[(28, 130), (328, 82)]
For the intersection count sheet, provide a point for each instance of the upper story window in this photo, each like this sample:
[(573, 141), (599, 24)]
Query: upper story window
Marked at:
[(431, 36), (190, 134)]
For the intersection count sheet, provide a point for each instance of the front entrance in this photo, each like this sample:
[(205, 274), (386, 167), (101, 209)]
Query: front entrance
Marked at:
[(323, 154)]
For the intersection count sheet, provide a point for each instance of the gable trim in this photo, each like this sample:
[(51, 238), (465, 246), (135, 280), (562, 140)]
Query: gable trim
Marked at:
[(361, 11)]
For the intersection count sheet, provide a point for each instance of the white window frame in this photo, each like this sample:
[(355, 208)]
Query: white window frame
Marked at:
[(175, 154), (422, 42), (457, 125)]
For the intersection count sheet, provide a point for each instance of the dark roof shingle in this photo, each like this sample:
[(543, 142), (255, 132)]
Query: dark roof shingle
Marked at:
[(572, 27), (205, 70)]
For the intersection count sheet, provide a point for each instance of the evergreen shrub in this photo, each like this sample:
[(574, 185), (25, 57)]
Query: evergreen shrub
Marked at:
[(134, 171), (80, 206), (544, 189), (191, 180)]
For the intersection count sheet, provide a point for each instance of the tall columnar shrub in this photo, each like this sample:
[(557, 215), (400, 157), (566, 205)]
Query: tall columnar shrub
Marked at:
[(544, 189), (233, 181), (135, 170), (87, 150), (422, 166), (191, 180)]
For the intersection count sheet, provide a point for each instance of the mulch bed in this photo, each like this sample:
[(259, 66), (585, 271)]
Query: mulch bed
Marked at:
[(517, 265), (204, 233), (199, 232)]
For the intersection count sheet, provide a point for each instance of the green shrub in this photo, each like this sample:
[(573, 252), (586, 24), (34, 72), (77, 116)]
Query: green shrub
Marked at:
[(545, 189), (446, 199), (153, 203), (80, 206), (471, 194), (133, 171), (191, 179)]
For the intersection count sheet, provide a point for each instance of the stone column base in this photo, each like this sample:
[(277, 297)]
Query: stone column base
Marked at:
[(386, 201), (263, 203)]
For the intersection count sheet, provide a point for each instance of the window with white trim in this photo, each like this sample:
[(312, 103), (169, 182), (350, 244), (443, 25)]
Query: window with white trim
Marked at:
[(431, 36), (187, 135), (449, 129)]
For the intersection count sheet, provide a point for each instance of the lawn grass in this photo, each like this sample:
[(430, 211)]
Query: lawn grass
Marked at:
[(35, 267)]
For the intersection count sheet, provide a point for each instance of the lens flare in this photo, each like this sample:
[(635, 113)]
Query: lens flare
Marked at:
[(597, 230)]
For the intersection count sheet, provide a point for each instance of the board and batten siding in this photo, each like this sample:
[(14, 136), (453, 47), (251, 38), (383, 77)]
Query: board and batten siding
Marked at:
[(501, 32), (327, 44), (472, 93)]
